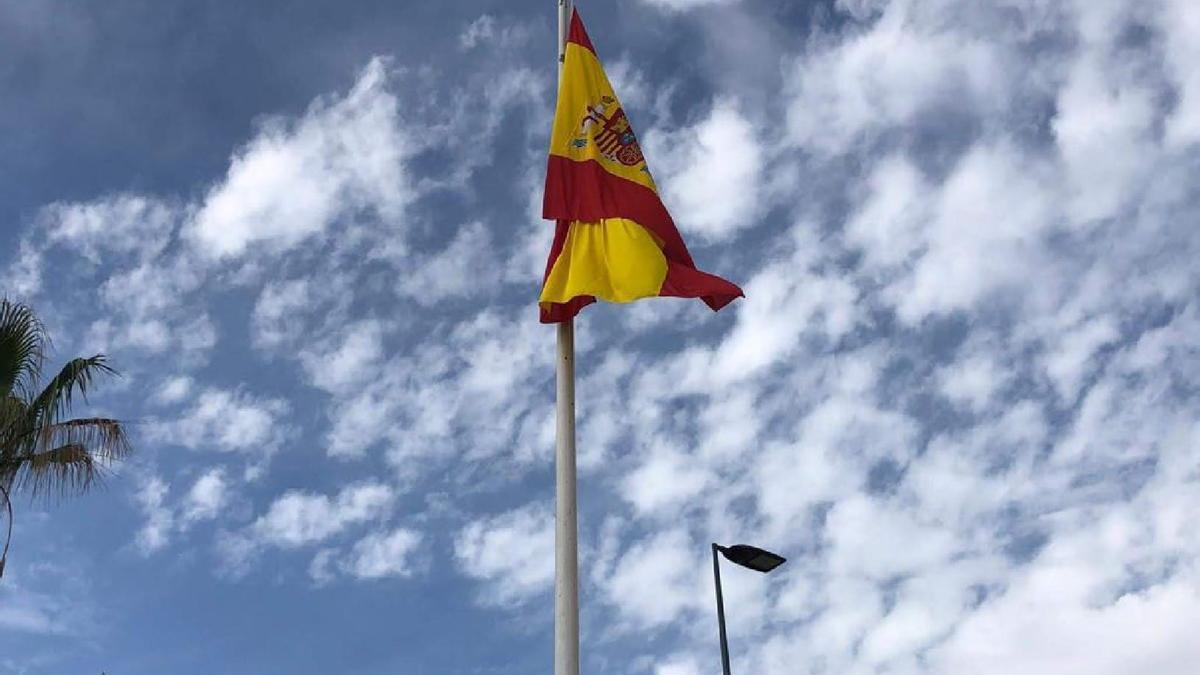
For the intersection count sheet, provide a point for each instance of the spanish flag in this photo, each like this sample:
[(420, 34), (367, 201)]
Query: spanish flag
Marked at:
[(614, 239)]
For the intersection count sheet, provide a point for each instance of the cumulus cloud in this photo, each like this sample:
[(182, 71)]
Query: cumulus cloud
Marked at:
[(351, 359), (900, 71), (293, 180), (984, 236), (711, 173), (228, 421), (378, 555), (488, 30), (120, 224), (1180, 24), (165, 517), (298, 519), (383, 554), (512, 553), (174, 390), (665, 563), (435, 403), (151, 496), (207, 496), (274, 320), (665, 478), (439, 277)]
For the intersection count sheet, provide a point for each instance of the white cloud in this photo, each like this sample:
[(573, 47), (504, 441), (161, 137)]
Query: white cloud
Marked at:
[(880, 542), (972, 381), (463, 390), (160, 519), (1032, 631), (783, 301), (1069, 361), (174, 389), (299, 518), (1180, 25), (888, 76), (663, 480), (664, 563), (378, 555), (889, 225), (123, 224), (488, 30), (440, 277), (1106, 595), (1103, 127), (512, 553), (384, 554), (985, 236), (353, 357), (839, 440), (275, 312), (227, 421), (208, 495), (711, 173), (294, 180), (147, 313)]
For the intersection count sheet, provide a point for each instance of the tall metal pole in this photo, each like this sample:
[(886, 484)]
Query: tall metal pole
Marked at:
[(566, 532), (720, 611)]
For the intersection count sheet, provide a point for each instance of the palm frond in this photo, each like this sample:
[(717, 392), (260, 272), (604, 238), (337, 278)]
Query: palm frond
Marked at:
[(60, 470), (22, 349), (13, 415), (77, 376), (66, 457), (104, 438)]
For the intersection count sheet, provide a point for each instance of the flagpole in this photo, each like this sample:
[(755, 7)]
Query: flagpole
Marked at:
[(566, 532)]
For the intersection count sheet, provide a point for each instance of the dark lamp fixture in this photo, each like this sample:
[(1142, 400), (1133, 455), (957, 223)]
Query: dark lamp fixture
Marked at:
[(752, 557)]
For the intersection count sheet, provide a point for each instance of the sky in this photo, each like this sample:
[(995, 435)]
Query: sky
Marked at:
[(960, 394)]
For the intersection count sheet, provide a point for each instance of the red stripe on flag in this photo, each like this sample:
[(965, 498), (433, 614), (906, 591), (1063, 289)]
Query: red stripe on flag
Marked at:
[(586, 191), (688, 282), (578, 34)]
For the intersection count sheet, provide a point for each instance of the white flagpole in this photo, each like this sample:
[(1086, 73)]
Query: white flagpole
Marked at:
[(566, 532)]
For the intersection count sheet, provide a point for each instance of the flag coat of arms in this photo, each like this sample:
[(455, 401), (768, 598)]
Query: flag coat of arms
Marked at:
[(613, 239)]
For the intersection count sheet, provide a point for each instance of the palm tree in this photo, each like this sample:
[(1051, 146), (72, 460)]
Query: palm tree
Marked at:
[(43, 452)]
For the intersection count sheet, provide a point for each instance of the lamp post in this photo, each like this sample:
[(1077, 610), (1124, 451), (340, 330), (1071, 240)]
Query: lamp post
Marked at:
[(747, 556)]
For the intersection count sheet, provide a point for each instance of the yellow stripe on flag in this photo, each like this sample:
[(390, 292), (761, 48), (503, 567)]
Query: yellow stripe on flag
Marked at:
[(586, 103), (615, 259)]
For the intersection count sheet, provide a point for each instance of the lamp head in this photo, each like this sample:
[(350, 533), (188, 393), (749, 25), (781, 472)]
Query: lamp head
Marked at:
[(752, 557)]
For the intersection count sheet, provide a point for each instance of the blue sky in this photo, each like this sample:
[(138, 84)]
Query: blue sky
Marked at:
[(961, 395)]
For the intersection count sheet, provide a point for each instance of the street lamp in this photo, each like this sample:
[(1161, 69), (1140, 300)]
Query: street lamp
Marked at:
[(747, 556)]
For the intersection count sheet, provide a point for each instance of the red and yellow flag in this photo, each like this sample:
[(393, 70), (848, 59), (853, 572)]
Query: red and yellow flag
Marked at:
[(614, 239)]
